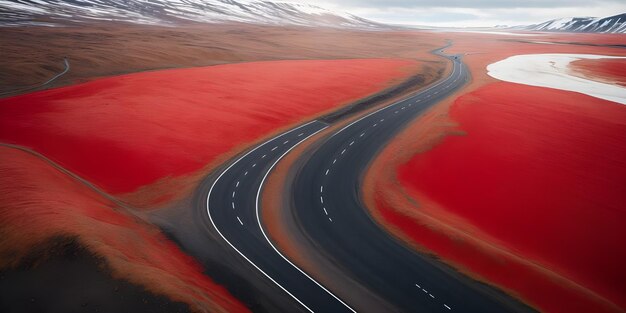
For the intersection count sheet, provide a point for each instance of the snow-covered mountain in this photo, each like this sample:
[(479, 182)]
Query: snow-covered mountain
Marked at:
[(611, 24), (60, 12)]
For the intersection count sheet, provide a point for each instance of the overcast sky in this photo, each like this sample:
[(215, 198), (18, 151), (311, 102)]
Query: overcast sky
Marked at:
[(469, 13)]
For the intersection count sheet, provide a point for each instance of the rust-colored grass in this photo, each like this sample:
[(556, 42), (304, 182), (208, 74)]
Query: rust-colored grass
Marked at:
[(37, 202)]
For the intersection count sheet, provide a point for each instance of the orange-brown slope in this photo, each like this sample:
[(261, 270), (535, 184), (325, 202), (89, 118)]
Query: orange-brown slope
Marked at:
[(38, 202)]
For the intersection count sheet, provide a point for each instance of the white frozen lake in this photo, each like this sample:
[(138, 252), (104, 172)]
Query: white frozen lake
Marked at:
[(553, 71)]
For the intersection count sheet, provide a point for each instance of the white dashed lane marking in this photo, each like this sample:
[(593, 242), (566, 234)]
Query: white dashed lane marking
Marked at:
[(327, 171), (237, 185), (325, 212), (240, 222), (233, 194), (233, 205), (447, 307), (274, 148), (322, 199)]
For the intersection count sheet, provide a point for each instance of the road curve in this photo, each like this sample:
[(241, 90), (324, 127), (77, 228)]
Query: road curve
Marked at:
[(233, 209), (328, 207), (326, 195)]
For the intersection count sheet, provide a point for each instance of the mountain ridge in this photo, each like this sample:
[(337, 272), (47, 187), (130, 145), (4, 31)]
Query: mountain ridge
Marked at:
[(610, 24), (173, 12)]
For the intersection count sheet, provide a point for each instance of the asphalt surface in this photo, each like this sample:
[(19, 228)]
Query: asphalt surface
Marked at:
[(233, 208), (329, 209)]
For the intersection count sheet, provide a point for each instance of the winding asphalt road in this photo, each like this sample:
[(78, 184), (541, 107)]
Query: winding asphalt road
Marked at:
[(233, 207), (328, 205)]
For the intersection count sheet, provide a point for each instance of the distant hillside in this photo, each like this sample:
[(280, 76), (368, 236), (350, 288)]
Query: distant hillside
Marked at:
[(611, 24), (60, 12)]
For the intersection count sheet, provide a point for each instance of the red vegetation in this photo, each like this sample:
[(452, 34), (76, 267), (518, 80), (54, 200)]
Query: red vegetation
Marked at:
[(38, 201), (608, 70), (538, 182), (128, 131), (536, 222)]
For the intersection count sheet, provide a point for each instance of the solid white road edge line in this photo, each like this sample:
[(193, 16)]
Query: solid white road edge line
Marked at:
[(258, 199), (228, 242), (339, 131)]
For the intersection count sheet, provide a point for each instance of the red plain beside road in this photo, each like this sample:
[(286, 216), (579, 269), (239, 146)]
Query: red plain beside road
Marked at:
[(128, 131), (542, 171), (122, 133)]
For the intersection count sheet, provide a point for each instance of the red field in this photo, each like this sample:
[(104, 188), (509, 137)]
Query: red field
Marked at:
[(538, 174), (514, 185), (38, 201), (608, 70), (128, 131)]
